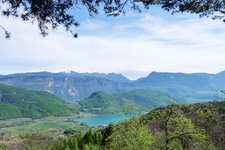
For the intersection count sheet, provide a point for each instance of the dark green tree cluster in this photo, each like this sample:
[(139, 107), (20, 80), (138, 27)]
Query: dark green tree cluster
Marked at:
[(71, 131), (213, 8), (89, 141)]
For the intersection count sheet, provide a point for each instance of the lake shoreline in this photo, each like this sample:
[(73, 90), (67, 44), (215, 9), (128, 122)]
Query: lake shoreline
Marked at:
[(103, 120)]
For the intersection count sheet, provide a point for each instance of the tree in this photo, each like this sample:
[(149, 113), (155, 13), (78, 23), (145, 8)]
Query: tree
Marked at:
[(71, 132), (3, 147), (132, 135), (88, 137), (52, 13), (202, 7), (98, 137), (106, 133), (175, 131)]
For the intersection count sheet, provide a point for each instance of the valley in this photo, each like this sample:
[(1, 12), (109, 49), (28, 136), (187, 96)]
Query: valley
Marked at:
[(112, 75), (51, 126), (48, 106)]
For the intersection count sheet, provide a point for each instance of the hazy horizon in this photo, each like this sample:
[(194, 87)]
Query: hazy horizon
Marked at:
[(133, 45), (68, 71)]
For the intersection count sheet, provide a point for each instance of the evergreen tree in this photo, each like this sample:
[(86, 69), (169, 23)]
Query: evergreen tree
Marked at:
[(75, 146), (98, 138), (106, 133), (52, 13), (88, 137)]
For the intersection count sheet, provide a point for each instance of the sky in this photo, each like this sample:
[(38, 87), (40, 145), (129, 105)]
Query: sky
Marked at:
[(133, 45)]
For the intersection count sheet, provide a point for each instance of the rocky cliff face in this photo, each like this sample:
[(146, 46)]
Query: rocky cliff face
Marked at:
[(69, 86)]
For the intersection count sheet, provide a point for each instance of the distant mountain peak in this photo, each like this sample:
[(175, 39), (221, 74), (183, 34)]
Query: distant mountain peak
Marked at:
[(109, 76), (221, 73), (97, 94)]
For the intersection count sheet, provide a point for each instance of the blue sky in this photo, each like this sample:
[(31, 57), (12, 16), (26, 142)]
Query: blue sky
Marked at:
[(134, 45)]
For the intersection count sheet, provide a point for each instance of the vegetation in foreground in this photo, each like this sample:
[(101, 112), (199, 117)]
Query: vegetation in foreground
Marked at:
[(175, 127)]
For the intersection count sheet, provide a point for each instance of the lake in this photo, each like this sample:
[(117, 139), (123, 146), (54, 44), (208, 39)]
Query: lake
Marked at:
[(105, 119)]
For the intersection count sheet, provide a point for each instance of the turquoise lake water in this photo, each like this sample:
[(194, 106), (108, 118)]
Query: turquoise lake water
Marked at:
[(105, 119)]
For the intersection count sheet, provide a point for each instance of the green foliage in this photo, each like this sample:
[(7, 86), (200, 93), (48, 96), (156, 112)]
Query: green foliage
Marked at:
[(88, 137), (71, 132), (131, 135), (9, 111), (68, 143), (149, 99), (165, 128), (98, 137), (17, 102), (175, 131), (89, 141), (205, 119), (106, 133), (102, 103)]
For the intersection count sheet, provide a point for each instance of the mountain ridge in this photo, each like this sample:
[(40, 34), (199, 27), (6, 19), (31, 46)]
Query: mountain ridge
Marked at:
[(69, 86), (76, 86), (135, 100)]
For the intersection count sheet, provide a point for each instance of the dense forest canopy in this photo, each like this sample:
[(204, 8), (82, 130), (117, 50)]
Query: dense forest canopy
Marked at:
[(52, 13)]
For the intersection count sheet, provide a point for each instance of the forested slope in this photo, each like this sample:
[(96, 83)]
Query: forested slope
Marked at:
[(18, 102)]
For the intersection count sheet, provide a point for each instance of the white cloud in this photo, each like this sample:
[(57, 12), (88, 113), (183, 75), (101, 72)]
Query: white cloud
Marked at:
[(134, 46)]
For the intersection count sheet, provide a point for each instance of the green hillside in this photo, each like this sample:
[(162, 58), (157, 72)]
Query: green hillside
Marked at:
[(101, 103), (149, 99), (135, 100), (18, 102), (175, 127)]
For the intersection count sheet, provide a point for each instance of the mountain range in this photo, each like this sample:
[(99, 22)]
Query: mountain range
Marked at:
[(71, 86)]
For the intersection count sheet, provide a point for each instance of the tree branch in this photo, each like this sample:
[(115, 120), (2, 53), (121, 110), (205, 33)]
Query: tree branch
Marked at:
[(7, 34), (186, 133)]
